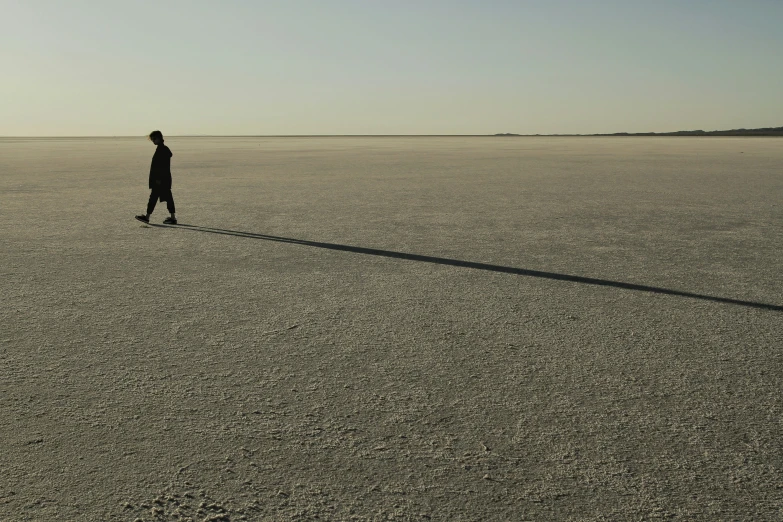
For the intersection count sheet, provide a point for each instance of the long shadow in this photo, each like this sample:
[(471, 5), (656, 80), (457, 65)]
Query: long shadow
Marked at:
[(478, 266)]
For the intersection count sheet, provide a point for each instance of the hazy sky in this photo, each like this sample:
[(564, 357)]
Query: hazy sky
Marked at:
[(107, 67)]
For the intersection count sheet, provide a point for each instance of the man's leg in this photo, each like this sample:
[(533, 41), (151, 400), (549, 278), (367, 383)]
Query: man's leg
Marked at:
[(170, 203), (151, 203)]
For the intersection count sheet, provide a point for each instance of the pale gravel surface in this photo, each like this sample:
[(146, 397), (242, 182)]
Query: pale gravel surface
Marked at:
[(185, 373)]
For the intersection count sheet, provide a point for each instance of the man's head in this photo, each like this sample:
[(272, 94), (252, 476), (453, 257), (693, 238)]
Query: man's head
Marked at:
[(156, 137)]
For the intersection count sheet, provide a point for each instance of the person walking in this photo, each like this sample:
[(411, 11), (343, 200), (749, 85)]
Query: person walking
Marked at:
[(160, 180)]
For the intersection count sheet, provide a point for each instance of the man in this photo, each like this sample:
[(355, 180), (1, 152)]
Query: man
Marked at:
[(160, 180)]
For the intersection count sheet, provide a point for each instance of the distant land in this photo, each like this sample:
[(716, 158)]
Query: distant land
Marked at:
[(766, 131)]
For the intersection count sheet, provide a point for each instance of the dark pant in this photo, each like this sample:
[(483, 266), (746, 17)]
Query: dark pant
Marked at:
[(163, 195)]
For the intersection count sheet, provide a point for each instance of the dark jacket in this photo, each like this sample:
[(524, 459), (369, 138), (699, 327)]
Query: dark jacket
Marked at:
[(160, 170)]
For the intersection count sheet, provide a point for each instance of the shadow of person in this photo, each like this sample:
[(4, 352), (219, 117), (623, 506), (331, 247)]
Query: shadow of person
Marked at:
[(478, 266)]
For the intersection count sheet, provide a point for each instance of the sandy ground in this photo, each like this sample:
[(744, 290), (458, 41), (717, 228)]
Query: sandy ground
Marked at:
[(393, 328)]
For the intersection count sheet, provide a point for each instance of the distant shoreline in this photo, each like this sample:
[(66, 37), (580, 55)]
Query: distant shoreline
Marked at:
[(324, 136), (745, 133), (765, 131)]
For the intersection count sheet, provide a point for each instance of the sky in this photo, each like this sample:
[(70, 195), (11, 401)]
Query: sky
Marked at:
[(305, 67)]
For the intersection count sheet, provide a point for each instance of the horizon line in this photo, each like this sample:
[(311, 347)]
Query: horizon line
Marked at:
[(742, 131), (674, 134)]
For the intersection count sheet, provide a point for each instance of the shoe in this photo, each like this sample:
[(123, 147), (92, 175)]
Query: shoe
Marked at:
[(170, 221), (143, 219)]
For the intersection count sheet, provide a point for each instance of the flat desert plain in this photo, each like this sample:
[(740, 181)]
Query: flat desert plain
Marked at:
[(393, 329)]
